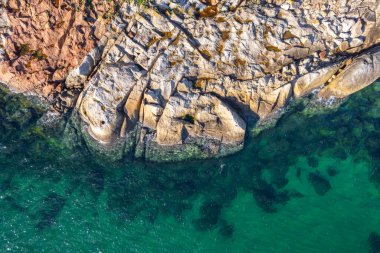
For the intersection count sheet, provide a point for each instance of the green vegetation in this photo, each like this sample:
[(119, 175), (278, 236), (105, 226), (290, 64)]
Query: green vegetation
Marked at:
[(141, 2), (39, 55), (22, 50), (288, 35), (3, 91), (176, 40), (220, 19), (166, 35), (35, 131), (19, 113), (220, 47)]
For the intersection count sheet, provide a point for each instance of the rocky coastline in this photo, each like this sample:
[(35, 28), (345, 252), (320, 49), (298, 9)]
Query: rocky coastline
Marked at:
[(177, 80)]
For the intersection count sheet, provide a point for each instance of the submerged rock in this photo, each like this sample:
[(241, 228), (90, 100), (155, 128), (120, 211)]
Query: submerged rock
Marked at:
[(268, 198), (312, 162), (210, 212), (226, 230), (332, 171), (319, 183), (374, 242), (53, 205)]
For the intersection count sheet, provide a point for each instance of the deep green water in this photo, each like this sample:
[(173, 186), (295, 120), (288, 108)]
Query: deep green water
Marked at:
[(310, 184)]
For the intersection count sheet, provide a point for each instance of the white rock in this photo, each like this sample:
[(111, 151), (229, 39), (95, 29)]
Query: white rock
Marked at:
[(344, 35), (357, 29), (285, 6), (347, 24), (355, 42)]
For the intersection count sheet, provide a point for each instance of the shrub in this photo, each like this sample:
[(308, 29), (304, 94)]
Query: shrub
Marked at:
[(22, 49)]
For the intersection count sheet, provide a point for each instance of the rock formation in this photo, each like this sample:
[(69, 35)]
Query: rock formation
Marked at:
[(41, 40), (181, 79)]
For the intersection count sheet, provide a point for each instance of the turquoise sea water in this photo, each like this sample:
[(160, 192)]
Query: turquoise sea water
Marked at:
[(309, 184)]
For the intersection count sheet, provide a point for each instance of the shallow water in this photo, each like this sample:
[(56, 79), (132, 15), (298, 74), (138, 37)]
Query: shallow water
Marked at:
[(310, 184)]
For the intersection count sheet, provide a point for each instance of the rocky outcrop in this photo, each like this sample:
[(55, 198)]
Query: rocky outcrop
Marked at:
[(177, 80), (202, 122), (41, 40), (361, 72)]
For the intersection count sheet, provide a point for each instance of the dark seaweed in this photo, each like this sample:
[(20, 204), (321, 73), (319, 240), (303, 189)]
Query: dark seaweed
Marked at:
[(332, 171), (210, 213), (226, 230), (267, 197), (96, 179), (374, 242), (52, 206), (319, 183), (312, 161)]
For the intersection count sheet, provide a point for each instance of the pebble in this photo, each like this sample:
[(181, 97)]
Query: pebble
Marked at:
[(285, 6), (344, 35)]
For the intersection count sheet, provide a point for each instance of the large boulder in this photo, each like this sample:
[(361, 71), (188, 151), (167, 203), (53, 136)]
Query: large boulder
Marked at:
[(193, 126), (313, 80), (102, 105), (192, 115), (362, 72)]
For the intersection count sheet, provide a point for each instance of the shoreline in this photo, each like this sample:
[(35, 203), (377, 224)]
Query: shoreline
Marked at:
[(195, 79)]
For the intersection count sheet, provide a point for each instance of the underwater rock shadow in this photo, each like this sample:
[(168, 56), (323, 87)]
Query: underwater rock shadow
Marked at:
[(53, 205), (320, 184), (95, 178), (269, 199), (374, 243), (210, 212), (226, 230), (151, 190)]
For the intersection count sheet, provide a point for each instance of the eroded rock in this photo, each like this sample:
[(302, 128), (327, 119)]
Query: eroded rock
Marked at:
[(181, 80), (201, 80), (192, 115), (313, 80), (102, 104), (363, 71), (45, 39)]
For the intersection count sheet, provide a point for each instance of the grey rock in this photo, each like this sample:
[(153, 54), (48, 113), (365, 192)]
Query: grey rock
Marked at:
[(363, 71), (172, 87)]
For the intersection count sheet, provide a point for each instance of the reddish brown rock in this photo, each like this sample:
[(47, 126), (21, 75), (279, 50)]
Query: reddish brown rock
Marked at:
[(48, 39)]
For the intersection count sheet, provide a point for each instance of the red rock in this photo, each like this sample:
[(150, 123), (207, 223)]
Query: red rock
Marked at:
[(13, 4), (58, 88), (64, 35), (46, 90)]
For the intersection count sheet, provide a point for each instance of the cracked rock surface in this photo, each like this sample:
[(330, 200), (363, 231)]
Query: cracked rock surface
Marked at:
[(182, 79), (40, 40), (197, 73)]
